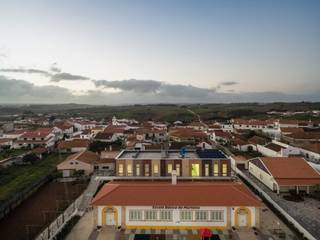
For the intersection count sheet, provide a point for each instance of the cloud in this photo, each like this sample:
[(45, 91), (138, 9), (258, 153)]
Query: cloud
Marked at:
[(20, 91), (67, 77), (228, 83), (24, 70), (140, 86), (55, 75), (54, 68), (156, 87), (135, 91)]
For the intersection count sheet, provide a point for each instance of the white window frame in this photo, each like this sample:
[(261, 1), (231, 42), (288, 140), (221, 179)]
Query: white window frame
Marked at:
[(135, 215), (184, 213), (165, 215), (217, 215), (201, 215), (150, 215)]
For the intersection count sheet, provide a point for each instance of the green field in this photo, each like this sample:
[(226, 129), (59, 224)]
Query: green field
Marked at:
[(11, 153), (161, 112), (15, 178)]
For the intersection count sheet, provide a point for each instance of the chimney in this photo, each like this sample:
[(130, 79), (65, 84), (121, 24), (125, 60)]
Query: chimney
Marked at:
[(174, 177)]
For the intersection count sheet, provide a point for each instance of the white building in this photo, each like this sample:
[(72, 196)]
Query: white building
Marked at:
[(163, 205)]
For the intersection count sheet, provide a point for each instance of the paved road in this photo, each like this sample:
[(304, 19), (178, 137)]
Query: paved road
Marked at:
[(199, 118)]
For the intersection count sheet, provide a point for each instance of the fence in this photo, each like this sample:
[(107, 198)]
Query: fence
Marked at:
[(297, 225), (14, 201), (56, 226)]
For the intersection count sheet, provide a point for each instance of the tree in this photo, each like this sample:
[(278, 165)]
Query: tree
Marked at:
[(30, 158)]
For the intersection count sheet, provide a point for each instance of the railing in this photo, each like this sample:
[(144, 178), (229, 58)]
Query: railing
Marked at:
[(271, 201), (56, 226), (109, 178)]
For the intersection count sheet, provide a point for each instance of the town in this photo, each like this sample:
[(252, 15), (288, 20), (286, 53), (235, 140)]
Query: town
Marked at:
[(78, 177)]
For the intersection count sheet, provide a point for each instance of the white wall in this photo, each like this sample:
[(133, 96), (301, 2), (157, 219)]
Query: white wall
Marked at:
[(264, 177), (175, 218), (267, 152)]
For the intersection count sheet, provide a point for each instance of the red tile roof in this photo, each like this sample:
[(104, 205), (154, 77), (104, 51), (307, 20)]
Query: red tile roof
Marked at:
[(74, 143), (85, 156), (181, 194), (39, 133), (291, 170), (313, 147)]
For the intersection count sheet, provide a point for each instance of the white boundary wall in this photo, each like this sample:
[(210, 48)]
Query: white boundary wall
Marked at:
[(283, 212)]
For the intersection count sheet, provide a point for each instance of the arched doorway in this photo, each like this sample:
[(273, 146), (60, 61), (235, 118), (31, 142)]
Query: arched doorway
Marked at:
[(243, 217), (109, 216)]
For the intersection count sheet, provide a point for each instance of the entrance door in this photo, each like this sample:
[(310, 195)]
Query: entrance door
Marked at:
[(110, 218), (242, 217)]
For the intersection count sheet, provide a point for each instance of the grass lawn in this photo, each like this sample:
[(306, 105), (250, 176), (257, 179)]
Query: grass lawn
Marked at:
[(15, 178), (11, 153)]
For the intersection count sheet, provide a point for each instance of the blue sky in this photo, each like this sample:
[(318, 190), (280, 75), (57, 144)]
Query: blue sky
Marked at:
[(227, 47)]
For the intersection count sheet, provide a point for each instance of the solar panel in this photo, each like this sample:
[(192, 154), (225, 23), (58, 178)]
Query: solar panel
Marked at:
[(210, 153)]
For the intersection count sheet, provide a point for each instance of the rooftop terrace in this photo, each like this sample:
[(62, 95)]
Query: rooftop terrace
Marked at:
[(172, 154)]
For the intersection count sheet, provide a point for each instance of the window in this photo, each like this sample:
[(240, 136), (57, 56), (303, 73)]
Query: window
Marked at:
[(206, 170), (156, 169), (169, 168), (150, 215), (166, 215), (216, 216), (201, 215), (138, 169), (129, 169), (224, 169), (147, 170), (120, 170), (178, 169), (215, 169), (186, 216), (195, 170), (135, 215)]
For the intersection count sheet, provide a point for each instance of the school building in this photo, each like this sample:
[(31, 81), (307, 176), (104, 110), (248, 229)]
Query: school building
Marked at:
[(182, 205)]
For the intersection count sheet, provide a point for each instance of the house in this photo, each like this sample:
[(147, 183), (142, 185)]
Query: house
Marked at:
[(187, 135), (66, 128), (83, 161), (302, 138), (40, 151), (282, 174), (288, 123), (81, 125), (252, 124), (151, 134), (73, 145), (6, 143), (186, 163), (271, 149), (162, 205), (240, 162), (220, 136), (241, 144), (311, 152), (107, 137), (107, 161), (44, 137)]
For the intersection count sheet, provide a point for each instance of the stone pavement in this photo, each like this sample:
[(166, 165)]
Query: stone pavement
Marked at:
[(83, 228), (306, 212)]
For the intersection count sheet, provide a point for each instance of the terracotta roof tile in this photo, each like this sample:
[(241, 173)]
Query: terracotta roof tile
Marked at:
[(181, 194)]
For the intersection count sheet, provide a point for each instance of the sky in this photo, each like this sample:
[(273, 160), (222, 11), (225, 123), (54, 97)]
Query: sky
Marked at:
[(165, 51)]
